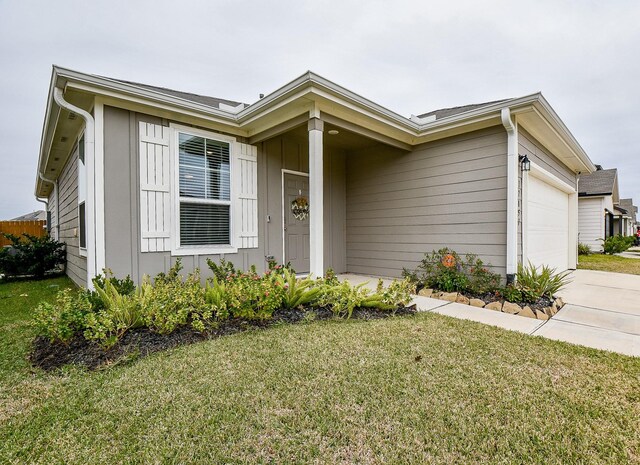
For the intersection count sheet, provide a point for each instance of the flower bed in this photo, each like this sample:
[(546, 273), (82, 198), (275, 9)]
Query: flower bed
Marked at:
[(445, 275), (120, 320)]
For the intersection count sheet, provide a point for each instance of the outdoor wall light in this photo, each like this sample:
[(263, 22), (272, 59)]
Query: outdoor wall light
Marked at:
[(525, 163)]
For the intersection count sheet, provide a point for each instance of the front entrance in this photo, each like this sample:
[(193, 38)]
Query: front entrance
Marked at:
[(295, 196)]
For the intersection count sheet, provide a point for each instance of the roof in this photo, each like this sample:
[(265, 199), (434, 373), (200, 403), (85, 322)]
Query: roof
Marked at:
[(620, 209), (601, 182), (444, 112), (33, 216), (203, 99), (628, 205), (290, 104)]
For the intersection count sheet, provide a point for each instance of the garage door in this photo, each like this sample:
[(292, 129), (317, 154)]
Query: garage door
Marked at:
[(547, 225)]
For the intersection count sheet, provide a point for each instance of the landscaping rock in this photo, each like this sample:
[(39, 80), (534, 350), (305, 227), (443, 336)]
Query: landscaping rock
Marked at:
[(526, 311), (449, 296), (426, 292), (548, 311), (497, 306), (554, 309), (462, 299), (559, 303), (436, 295), (541, 315), (477, 303), (512, 308)]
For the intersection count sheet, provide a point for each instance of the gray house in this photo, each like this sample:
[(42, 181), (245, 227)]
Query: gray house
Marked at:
[(137, 176)]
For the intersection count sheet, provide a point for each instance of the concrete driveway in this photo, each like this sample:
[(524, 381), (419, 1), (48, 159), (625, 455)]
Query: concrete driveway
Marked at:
[(602, 311)]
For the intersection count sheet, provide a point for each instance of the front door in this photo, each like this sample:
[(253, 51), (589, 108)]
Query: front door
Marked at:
[(296, 222)]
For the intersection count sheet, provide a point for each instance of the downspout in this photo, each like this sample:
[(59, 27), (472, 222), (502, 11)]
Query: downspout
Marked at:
[(512, 194), (89, 153)]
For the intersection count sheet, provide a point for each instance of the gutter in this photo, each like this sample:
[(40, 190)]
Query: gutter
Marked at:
[(512, 193), (89, 153)]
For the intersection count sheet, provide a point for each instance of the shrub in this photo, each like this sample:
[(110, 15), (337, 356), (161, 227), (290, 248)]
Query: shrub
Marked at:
[(171, 302), (124, 286), (59, 321), (120, 313), (535, 283), (30, 255), (510, 293), (584, 249), (447, 271), (297, 291), (617, 244), (222, 271)]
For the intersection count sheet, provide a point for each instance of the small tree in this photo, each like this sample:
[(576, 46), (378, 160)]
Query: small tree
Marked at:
[(31, 255)]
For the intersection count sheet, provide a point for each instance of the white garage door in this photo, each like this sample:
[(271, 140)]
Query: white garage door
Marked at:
[(547, 225)]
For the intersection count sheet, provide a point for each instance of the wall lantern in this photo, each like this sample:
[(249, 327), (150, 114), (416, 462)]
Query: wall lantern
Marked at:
[(525, 163)]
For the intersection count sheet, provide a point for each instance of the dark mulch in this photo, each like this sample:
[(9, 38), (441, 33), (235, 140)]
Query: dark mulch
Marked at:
[(141, 342)]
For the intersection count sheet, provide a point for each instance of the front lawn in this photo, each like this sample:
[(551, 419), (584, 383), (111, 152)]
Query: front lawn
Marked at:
[(614, 263), (419, 389)]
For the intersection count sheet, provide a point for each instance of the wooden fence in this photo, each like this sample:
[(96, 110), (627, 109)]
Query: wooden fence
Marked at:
[(36, 228)]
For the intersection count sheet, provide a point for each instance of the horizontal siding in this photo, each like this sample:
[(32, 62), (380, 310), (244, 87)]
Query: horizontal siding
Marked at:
[(538, 154), (450, 193), (591, 222), (69, 234)]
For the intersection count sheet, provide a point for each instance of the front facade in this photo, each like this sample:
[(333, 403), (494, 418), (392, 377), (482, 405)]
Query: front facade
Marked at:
[(312, 174)]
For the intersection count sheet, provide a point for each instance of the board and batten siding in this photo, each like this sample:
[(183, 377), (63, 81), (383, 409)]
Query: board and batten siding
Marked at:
[(591, 222), (448, 193), (68, 221)]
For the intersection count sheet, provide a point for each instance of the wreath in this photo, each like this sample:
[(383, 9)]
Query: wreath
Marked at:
[(300, 208)]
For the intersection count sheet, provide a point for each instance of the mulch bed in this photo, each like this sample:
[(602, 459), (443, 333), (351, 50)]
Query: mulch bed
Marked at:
[(141, 342)]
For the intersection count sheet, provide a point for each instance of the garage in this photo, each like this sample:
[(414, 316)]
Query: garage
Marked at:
[(547, 223)]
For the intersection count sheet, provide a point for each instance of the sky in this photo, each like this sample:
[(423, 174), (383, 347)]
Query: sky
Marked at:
[(411, 57)]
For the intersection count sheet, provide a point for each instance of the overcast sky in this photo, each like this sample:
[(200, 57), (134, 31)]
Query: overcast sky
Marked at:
[(411, 57)]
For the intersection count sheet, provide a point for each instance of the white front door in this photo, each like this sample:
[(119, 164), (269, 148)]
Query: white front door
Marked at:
[(547, 233)]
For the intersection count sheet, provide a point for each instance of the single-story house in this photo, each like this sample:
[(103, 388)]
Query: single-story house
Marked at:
[(600, 213), (38, 215), (314, 174), (632, 212)]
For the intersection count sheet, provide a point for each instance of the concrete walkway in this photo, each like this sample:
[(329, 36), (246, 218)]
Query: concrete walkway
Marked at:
[(602, 312), (633, 252)]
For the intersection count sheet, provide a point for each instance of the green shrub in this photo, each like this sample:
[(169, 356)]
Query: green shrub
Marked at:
[(511, 293), (617, 244), (124, 286), (31, 256), (223, 270), (297, 291), (445, 270), (171, 302), (537, 282), (120, 313), (343, 298), (59, 321), (584, 249)]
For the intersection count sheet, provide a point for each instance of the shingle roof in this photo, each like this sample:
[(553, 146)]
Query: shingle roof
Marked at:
[(628, 205), (203, 99), (36, 215), (599, 182), (444, 112)]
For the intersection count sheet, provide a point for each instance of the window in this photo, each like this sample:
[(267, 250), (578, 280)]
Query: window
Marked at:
[(205, 190), (82, 197)]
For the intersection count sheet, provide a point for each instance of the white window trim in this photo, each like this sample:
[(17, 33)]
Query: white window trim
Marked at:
[(82, 165), (176, 248)]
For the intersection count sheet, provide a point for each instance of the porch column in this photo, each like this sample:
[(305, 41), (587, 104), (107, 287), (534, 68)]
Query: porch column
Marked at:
[(316, 196)]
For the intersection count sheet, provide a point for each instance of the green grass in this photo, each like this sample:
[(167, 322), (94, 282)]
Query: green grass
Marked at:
[(423, 389), (601, 262)]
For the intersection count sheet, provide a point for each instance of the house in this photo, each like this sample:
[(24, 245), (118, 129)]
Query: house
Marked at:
[(38, 215), (313, 174), (632, 212), (601, 214)]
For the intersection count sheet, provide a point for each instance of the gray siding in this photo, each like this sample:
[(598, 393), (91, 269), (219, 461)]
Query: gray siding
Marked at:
[(538, 154), (449, 193), (69, 232), (122, 216)]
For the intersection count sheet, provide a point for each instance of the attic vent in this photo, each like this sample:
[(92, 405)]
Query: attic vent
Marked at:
[(63, 139), (72, 116)]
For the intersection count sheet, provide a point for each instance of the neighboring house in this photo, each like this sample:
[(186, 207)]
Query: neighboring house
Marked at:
[(311, 174), (632, 212), (37, 215), (598, 193)]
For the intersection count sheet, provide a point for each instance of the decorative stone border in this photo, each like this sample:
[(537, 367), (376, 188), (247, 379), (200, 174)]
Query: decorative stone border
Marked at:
[(498, 306)]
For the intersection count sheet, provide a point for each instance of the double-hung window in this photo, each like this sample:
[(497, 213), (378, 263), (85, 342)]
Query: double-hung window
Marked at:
[(204, 174)]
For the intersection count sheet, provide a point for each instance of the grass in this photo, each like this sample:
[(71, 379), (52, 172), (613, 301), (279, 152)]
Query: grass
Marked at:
[(614, 263), (423, 389)]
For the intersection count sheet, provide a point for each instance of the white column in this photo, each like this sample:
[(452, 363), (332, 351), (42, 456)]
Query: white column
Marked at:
[(316, 196)]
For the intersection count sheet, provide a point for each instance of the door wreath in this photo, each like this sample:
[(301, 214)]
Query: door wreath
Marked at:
[(300, 208)]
